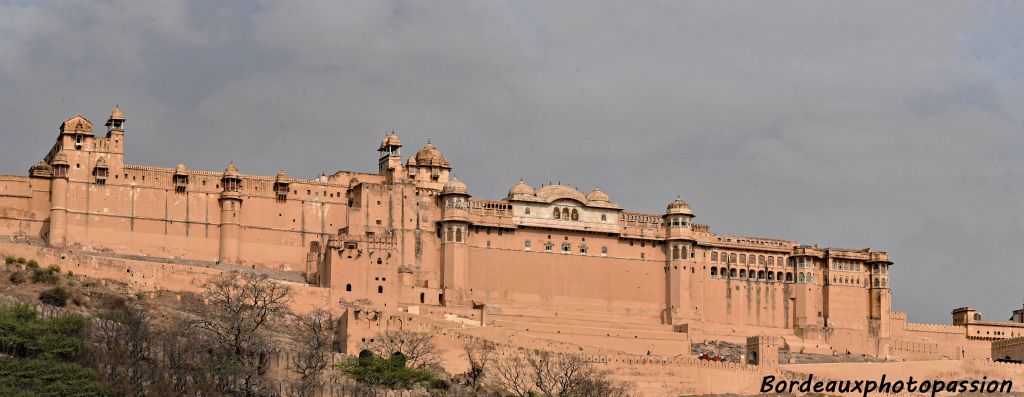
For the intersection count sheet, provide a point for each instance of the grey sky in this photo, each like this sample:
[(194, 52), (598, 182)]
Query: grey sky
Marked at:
[(891, 125)]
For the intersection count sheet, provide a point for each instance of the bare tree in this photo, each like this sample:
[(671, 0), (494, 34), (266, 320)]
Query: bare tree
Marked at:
[(513, 375), (230, 324), (418, 347), (554, 375), (480, 354), (314, 335), (558, 375)]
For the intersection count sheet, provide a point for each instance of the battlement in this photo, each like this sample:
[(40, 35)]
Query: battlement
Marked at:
[(943, 328)]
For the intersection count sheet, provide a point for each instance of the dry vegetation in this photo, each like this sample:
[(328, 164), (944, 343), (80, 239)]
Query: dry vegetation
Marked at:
[(221, 343)]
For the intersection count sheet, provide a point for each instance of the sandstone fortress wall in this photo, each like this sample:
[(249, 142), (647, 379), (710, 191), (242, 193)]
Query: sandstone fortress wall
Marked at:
[(409, 235)]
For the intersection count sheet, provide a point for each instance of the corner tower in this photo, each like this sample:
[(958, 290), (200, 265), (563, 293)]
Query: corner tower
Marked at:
[(57, 236), (678, 263), (390, 162), (230, 215), (454, 245)]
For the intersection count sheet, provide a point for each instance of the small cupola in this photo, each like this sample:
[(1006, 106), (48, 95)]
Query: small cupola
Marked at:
[(454, 193), (281, 186), (60, 165), (678, 213), (232, 180), (180, 178), (390, 145), (116, 120)]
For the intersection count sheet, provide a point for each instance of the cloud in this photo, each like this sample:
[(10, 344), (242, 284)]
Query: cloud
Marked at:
[(893, 126)]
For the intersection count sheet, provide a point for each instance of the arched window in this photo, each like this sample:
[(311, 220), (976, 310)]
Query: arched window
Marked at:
[(760, 274), (527, 245), (732, 273), (884, 283), (751, 274), (565, 213), (604, 250), (458, 234), (675, 252), (800, 278), (877, 284), (714, 256), (558, 214), (743, 258), (379, 261), (575, 215), (732, 258), (771, 276), (566, 248), (771, 261), (789, 277), (760, 260), (810, 277), (450, 235), (714, 271), (778, 276), (583, 248), (348, 287), (604, 217), (682, 250), (743, 273), (380, 289), (527, 211), (423, 297)]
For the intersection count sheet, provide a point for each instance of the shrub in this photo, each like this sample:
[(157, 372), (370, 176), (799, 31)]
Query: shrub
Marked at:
[(21, 260), (379, 371), (32, 264), (56, 296), (10, 259), (17, 278), (50, 275)]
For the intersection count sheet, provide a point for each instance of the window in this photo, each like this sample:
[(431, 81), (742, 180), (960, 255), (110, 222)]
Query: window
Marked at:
[(583, 249), (575, 215), (800, 279), (565, 213), (527, 245), (743, 273), (527, 211), (732, 258), (548, 246), (557, 214), (604, 251), (348, 287), (566, 247), (643, 256), (714, 256), (458, 235), (714, 271), (380, 289), (604, 217), (760, 260), (771, 261), (675, 252)]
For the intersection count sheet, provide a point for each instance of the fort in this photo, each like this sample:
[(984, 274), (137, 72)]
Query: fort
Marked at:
[(549, 265)]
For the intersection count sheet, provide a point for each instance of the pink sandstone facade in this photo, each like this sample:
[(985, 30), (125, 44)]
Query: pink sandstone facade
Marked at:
[(411, 237)]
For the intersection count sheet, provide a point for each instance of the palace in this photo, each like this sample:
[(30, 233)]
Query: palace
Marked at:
[(409, 234)]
